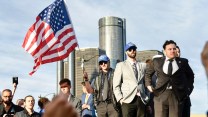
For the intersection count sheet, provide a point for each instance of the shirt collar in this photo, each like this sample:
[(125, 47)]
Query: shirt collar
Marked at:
[(26, 112), (166, 58), (131, 62)]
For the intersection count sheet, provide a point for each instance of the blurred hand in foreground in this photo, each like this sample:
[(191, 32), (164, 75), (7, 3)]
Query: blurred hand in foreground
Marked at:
[(60, 107), (204, 57)]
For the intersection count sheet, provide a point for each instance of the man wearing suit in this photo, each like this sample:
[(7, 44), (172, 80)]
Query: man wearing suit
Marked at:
[(88, 109), (128, 84), (187, 102), (65, 85), (174, 82)]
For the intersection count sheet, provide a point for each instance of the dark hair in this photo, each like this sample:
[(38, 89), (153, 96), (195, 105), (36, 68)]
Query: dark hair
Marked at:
[(148, 61), (65, 81), (83, 83), (18, 102), (177, 47), (42, 102), (29, 96), (167, 42), (7, 90)]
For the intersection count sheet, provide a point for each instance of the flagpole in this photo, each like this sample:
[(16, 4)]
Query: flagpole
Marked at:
[(71, 61), (71, 21)]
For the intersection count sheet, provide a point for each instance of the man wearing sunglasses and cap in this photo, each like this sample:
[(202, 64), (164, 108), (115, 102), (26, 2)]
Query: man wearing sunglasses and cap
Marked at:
[(128, 84), (103, 89)]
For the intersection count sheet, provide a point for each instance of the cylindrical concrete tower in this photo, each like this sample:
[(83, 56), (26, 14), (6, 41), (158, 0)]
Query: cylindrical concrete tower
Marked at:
[(112, 38)]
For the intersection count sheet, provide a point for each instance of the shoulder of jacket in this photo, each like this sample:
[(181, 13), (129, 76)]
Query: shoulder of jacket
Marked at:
[(122, 63), (77, 99), (183, 59)]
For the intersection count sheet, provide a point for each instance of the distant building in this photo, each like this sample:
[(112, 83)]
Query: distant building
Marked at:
[(142, 56), (90, 56), (112, 38)]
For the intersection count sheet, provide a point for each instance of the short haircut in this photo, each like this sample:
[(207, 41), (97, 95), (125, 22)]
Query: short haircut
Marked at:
[(29, 96), (6, 90), (178, 47), (167, 42), (65, 80), (42, 102), (19, 100)]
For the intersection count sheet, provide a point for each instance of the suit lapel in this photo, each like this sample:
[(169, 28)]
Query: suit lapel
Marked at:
[(178, 61), (161, 63), (130, 70), (71, 98)]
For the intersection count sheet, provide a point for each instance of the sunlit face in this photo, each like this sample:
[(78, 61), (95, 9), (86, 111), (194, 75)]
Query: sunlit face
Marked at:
[(170, 51), (84, 89), (7, 97), (131, 52), (29, 103), (65, 88), (104, 65)]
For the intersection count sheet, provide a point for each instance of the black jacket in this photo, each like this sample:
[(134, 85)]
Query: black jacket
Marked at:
[(181, 81), (13, 109), (24, 113)]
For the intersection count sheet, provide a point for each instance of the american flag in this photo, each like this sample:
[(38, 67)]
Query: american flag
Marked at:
[(51, 38)]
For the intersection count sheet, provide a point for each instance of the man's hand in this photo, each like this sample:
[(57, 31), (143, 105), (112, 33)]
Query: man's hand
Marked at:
[(150, 89), (85, 106), (204, 57), (60, 107), (14, 85), (121, 101), (85, 76)]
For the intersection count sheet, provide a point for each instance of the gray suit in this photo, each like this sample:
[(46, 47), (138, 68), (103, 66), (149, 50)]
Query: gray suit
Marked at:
[(76, 102), (126, 85)]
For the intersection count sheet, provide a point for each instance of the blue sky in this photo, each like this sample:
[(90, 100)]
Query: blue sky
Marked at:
[(149, 23)]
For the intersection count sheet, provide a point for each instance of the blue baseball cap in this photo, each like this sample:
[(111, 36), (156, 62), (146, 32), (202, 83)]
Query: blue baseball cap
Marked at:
[(103, 58), (129, 45)]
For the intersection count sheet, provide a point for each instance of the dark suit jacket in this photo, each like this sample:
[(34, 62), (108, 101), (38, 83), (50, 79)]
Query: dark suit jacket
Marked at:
[(181, 81)]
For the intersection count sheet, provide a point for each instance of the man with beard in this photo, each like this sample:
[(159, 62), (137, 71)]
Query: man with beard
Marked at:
[(128, 84), (103, 89), (7, 108), (29, 103)]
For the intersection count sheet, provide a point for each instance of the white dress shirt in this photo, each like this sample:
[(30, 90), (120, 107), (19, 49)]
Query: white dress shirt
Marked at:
[(165, 66)]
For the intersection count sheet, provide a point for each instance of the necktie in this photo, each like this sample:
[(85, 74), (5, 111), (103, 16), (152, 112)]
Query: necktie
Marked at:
[(170, 67), (135, 70), (105, 88), (86, 98)]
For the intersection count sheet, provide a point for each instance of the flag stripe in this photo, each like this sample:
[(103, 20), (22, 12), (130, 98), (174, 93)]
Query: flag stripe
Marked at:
[(54, 57), (32, 34), (51, 38), (47, 36), (50, 42), (35, 40), (27, 37), (63, 45)]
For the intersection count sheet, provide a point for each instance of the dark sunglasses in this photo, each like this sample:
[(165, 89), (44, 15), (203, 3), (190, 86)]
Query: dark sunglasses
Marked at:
[(132, 48), (101, 62)]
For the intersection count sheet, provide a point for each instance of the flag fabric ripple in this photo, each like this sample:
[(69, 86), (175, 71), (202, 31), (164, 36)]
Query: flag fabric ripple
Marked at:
[(51, 38)]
